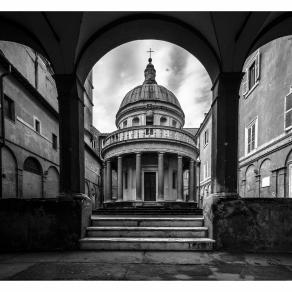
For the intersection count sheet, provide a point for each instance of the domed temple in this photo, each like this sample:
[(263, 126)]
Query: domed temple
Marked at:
[(150, 159)]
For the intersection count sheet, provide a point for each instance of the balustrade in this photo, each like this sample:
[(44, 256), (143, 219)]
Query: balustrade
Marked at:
[(150, 133)]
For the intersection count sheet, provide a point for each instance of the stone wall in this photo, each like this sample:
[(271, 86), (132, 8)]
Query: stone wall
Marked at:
[(251, 224), (38, 224)]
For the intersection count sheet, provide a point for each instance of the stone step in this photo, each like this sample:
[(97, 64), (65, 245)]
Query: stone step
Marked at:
[(187, 212), (141, 215), (126, 231), (145, 243), (148, 221)]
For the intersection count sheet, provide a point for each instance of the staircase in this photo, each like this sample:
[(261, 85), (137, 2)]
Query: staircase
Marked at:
[(147, 228)]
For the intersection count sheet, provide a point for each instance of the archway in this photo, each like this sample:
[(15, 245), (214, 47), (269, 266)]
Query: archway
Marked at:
[(250, 182), (288, 176), (265, 175), (9, 174), (32, 178), (52, 185)]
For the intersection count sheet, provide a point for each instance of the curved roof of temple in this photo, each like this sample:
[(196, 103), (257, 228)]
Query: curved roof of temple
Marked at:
[(150, 90)]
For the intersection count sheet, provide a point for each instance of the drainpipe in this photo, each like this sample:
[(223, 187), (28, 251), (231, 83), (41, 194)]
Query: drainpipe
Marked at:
[(2, 123)]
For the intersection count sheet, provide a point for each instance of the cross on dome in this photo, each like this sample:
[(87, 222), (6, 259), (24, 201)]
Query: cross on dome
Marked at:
[(150, 51)]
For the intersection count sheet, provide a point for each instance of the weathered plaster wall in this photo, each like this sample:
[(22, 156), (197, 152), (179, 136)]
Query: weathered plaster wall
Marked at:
[(38, 224), (252, 224)]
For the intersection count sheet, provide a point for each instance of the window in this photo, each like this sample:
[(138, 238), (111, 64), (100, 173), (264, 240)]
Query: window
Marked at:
[(32, 165), (9, 108), (251, 136), (174, 123), (174, 179), (149, 118), (206, 138), (135, 121), (288, 111), (37, 125), (252, 75), (125, 124), (54, 141), (163, 121), (93, 143)]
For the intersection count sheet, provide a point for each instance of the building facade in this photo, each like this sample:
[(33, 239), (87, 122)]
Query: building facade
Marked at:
[(146, 158), (204, 142), (265, 122), (265, 126), (30, 129)]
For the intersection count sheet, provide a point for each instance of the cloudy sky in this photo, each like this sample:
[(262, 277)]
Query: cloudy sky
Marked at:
[(122, 69)]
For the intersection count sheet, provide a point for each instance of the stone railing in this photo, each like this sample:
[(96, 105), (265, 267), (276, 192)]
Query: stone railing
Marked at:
[(149, 132)]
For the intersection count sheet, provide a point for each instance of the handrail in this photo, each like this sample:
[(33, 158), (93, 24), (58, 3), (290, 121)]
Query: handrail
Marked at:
[(149, 132)]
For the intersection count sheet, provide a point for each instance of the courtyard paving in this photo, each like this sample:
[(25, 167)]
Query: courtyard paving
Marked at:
[(139, 265)]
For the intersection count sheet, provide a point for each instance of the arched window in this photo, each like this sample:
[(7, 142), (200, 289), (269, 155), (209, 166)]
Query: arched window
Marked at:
[(149, 118), (32, 179), (250, 182), (32, 165), (9, 174), (135, 121), (174, 123), (289, 174), (163, 121), (52, 184), (266, 175)]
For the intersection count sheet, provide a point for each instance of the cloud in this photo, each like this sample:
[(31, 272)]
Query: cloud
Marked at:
[(122, 69)]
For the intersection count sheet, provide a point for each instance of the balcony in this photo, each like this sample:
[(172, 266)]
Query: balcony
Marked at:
[(149, 132)]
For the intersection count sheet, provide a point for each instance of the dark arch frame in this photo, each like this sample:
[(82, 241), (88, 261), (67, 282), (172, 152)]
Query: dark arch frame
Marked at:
[(147, 26), (36, 168)]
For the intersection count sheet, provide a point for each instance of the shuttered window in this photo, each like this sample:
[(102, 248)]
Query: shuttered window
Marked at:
[(288, 111), (252, 75), (251, 138), (9, 108)]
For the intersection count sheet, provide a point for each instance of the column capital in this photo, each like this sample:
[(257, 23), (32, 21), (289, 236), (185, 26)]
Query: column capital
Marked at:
[(179, 156)]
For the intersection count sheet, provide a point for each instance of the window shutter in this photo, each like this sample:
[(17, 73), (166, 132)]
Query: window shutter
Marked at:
[(257, 67), (289, 102), (253, 137), (244, 83), (248, 139), (288, 111)]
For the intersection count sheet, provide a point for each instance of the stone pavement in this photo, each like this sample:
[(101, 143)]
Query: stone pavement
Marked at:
[(139, 265)]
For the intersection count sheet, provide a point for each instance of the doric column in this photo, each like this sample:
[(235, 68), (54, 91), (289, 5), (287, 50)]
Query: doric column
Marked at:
[(120, 178), (138, 177), (192, 181), (179, 178), (108, 181), (160, 176), (71, 133), (225, 133)]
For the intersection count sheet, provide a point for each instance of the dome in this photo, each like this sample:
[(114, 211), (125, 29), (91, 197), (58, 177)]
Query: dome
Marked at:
[(150, 90)]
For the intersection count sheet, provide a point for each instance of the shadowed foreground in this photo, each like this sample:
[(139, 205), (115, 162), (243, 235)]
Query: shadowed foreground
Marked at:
[(87, 265)]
